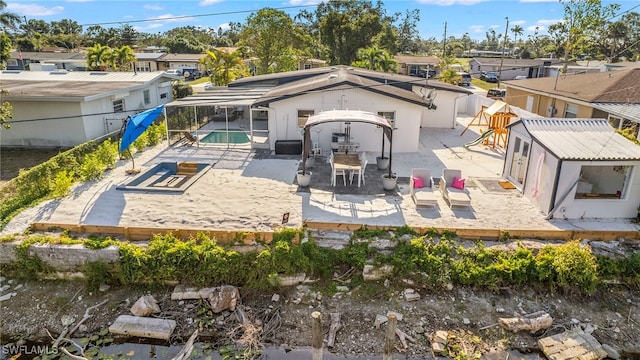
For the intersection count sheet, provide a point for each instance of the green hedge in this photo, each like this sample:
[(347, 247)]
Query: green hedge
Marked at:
[(431, 261)]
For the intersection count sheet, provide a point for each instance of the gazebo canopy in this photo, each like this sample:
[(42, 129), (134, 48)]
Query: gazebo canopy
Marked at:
[(346, 116)]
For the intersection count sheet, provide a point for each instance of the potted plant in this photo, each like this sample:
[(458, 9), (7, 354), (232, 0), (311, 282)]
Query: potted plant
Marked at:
[(304, 176), (389, 181)]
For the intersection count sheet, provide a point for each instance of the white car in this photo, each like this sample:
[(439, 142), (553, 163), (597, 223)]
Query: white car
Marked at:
[(208, 86), (521, 77)]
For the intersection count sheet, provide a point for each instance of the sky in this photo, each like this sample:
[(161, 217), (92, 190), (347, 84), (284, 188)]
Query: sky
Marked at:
[(474, 17)]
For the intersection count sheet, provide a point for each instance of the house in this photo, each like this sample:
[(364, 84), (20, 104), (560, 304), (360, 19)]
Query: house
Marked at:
[(574, 168), (311, 64), (408, 102), (510, 67), (178, 61), (149, 61), (613, 95), (64, 109), (26, 60), (417, 65)]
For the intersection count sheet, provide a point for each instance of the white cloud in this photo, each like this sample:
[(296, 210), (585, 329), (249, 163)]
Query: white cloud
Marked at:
[(450, 2), (34, 10), (518, 22), (476, 28), (208, 2), (547, 22), (153, 7), (169, 18)]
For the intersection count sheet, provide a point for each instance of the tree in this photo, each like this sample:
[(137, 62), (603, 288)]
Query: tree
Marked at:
[(6, 111), (517, 30), (122, 58), (447, 74), (272, 51), (223, 66), (7, 19), (408, 35), (346, 26), (374, 58), (99, 57), (581, 22), (5, 50)]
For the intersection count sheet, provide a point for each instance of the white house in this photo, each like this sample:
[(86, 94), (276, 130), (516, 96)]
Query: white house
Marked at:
[(409, 102), (64, 109), (574, 168)]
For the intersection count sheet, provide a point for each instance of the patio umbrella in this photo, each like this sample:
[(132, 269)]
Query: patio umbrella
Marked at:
[(137, 124)]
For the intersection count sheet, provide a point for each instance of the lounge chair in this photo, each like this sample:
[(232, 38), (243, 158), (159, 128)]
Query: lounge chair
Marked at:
[(189, 138), (420, 188), (453, 188)]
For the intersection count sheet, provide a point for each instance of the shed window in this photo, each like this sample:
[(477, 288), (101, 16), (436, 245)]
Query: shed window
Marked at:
[(118, 106), (571, 111), (603, 182), (303, 115), (147, 98)]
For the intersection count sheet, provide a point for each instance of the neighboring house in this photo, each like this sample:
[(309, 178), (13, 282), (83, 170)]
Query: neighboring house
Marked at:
[(613, 95), (409, 102), (572, 69), (179, 61), (72, 61), (574, 168), (510, 67), (311, 64), (64, 109), (148, 62), (417, 65)]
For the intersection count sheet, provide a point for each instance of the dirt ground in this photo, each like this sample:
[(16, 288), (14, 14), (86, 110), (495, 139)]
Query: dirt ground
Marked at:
[(12, 160), (39, 308)]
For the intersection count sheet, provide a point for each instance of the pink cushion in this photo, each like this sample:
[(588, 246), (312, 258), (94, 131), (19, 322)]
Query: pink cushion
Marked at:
[(458, 183), (418, 182)]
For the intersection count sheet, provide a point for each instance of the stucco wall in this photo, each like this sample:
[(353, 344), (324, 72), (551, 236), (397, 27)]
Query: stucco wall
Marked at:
[(541, 104)]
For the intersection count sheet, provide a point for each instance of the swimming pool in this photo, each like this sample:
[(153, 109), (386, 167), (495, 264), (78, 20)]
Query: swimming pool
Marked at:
[(236, 136)]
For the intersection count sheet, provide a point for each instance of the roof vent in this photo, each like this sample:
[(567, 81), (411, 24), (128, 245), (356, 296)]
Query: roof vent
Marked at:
[(333, 76)]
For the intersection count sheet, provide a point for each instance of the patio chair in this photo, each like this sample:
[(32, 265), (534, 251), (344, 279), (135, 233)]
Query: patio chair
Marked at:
[(453, 188), (190, 139), (420, 188), (337, 173), (363, 165)]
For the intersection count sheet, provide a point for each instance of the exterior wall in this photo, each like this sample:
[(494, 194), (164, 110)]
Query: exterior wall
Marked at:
[(444, 116), (571, 208), (283, 121), (55, 129), (542, 104), (540, 179)]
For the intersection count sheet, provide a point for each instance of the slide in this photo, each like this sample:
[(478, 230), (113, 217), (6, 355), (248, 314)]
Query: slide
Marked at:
[(477, 141)]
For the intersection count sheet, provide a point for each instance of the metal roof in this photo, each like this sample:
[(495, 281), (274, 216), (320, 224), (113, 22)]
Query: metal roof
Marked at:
[(626, 111), (221, 96), (581, 139)]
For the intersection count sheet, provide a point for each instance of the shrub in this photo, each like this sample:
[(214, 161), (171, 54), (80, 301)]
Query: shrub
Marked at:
[(62, 183)]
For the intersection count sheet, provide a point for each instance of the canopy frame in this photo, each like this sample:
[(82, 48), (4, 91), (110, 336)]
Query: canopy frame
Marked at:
[(347, 116)]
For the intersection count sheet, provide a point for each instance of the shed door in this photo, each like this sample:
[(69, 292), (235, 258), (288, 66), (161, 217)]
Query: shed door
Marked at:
[(519, 161)]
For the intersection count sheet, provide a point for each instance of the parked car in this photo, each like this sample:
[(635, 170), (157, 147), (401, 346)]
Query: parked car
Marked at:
[(489, 76), (521, 77), (498, 94), (465, 79), (176, 72)]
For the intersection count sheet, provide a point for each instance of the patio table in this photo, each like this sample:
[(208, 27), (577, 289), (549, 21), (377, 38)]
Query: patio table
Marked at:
[(347, 162)]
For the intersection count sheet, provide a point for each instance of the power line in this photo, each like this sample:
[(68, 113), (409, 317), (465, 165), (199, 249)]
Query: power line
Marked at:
[(191, 16)]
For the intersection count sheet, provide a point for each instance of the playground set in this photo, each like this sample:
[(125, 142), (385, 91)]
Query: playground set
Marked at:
[(496, 118)]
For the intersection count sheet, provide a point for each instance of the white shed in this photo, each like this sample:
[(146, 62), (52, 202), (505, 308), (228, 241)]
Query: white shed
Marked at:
[(574, 168), (65, 109)]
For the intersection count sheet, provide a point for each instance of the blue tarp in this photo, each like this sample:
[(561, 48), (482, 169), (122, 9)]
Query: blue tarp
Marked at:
[(137, 124)]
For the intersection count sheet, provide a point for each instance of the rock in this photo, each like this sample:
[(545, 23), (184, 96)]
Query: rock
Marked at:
[(145, 306), (223, 298), (104, 287), (83, 328), (18, 287), (342, 288), (611, 352), (143, 327), (370, 272), (499, 310), (67, 320), (4, 288), (437, 348), (291, 279), (380, 319), (466, 321), (590, 328), (411, 295), (449, 286), (275, 298), (5, 297), (2, 279)]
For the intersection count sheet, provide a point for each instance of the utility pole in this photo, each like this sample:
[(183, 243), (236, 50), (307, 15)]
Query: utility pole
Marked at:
[(444, 41), (504, 45)]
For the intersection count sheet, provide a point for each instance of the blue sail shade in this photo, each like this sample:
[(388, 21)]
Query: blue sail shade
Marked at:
[(137, 124)]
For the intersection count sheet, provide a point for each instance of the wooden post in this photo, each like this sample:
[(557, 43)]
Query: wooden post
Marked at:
[(316, 336), (390, 337)]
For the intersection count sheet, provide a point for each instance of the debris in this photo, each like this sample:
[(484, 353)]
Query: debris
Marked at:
[(104, 287), (466, 321), (84, 318), (292, 279), (67, 320), (404, 337), (6, 297), (572, 344), (370, 272), (611, 352), (333, 329), (397, 315), (275, 298), (145, 306), (180, 292), (530, 322), (439, 342), (153, 328), (411, 295), (342, 288), (185, 353), (380, 319), (223, 298)]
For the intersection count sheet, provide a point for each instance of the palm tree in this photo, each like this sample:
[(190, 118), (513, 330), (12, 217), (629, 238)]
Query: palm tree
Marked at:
[(7, 19), (516, 30), (369, 58), (388, 63), (99, 57), (123, 57), (232, 66)]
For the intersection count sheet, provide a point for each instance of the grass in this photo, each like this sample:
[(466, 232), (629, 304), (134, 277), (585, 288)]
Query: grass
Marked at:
[(202, 80), (483, 84)]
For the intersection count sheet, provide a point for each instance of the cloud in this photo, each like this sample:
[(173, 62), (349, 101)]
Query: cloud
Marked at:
[(450, 2), (476, 28), (153, 7), (34, 10), (208, 2), (169, 18), (304, 2), (518, 22)]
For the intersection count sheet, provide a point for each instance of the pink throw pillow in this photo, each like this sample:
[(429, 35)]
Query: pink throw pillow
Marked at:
[(458, 183), (418, 182)]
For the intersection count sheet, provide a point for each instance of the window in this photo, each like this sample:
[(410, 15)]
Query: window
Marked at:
[(389, 115), (118, 106), (571, 111), (603, 182), (147, 98), (303, 115), (307, 66), (163, 96)]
